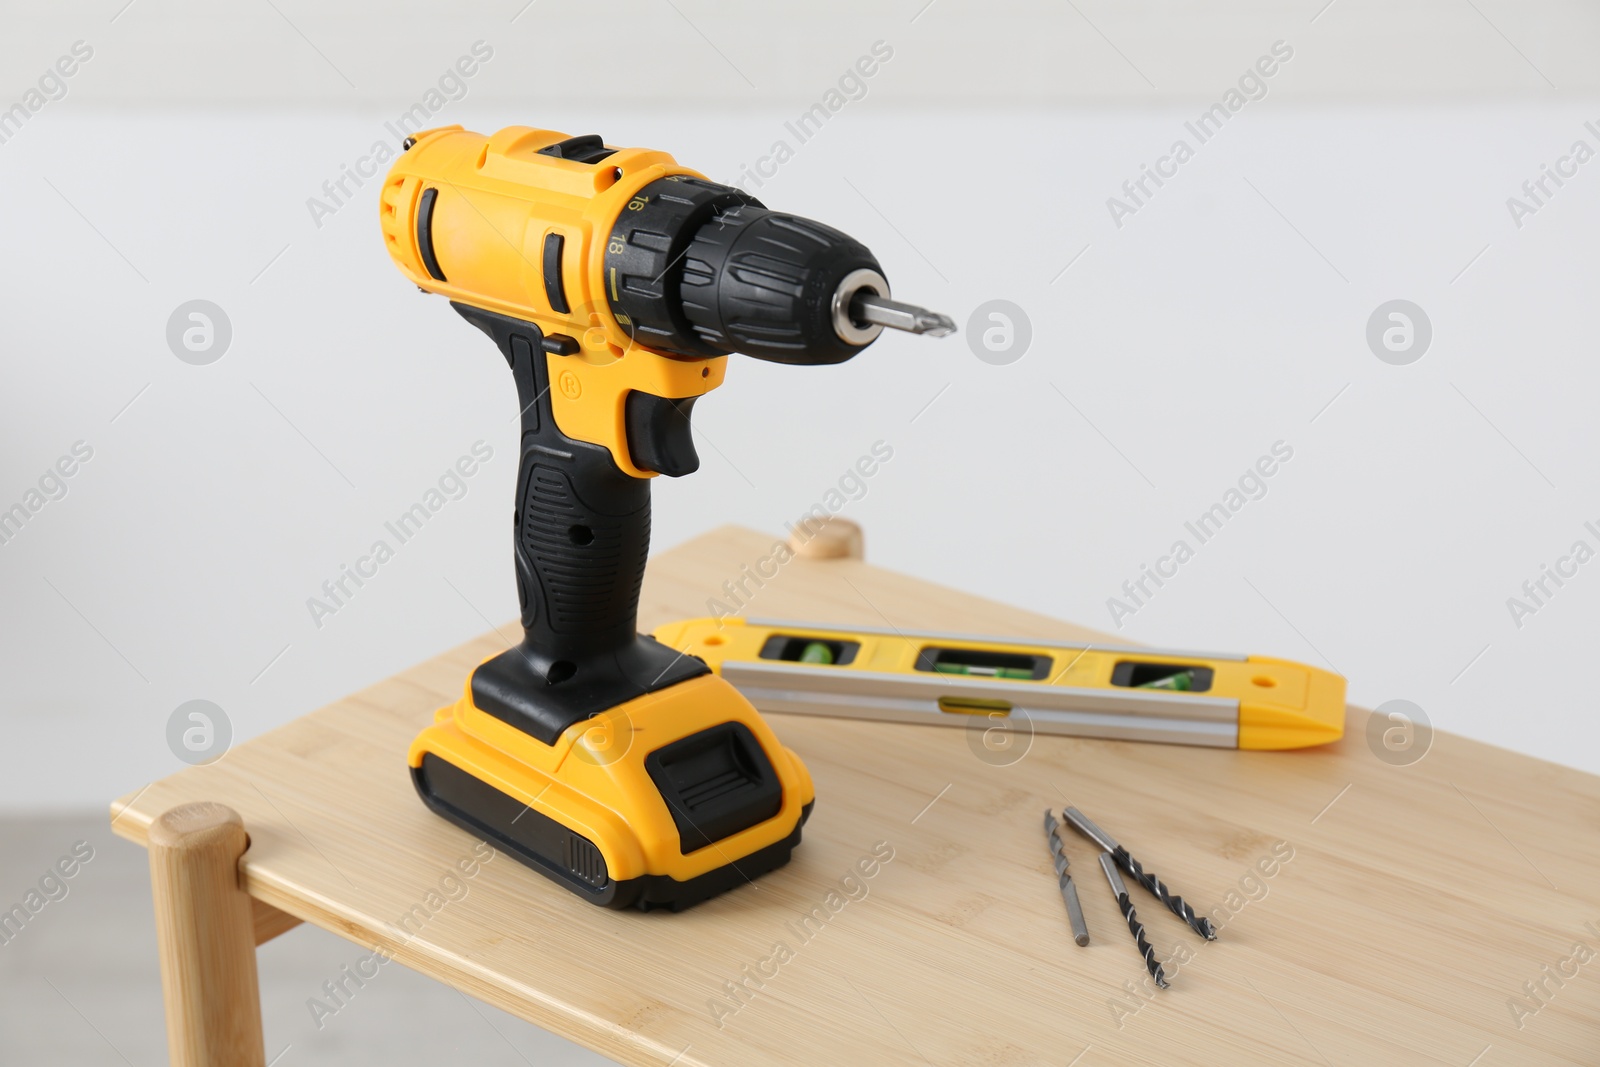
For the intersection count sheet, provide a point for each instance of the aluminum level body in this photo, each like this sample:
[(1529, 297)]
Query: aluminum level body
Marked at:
[(1045, 686)]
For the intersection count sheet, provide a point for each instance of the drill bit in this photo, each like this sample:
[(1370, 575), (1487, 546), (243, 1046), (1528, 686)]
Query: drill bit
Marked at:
[(1158, 889), (1135, 927), (1069, 889), (1175, 904), (867, 306)]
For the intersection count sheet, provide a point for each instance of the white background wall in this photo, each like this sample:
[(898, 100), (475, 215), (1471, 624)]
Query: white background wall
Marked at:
[(1227, 314)]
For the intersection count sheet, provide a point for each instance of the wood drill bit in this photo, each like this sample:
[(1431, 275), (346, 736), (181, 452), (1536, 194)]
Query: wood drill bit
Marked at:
[(1135, 927), (1069, 889), (1174, 903)]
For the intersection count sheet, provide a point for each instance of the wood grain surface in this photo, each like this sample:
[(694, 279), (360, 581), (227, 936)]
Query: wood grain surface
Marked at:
[(1444, 912)]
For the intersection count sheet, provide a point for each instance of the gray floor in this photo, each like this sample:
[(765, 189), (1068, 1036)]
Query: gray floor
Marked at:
[(80, 983)]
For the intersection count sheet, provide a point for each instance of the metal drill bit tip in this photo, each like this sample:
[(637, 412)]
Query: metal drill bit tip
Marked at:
[(869, 307), (1069, 890)]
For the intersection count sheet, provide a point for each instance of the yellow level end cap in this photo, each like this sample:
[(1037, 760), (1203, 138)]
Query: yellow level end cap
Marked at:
[(1264, 725)]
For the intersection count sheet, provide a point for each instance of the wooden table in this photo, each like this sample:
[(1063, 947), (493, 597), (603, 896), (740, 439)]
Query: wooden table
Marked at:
[(1416, 903)]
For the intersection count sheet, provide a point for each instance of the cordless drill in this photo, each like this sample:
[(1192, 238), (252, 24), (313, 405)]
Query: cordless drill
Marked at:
[(615, 283)]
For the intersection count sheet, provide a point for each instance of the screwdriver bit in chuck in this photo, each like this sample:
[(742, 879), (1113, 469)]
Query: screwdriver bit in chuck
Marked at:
[(897, 315)]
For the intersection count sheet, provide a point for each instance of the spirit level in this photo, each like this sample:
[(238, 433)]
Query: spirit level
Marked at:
[(1059, 687)]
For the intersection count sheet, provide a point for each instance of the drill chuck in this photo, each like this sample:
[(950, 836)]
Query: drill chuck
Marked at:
[(704, 269)]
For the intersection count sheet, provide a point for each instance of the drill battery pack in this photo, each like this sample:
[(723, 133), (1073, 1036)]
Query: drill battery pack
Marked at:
[(660, 802)]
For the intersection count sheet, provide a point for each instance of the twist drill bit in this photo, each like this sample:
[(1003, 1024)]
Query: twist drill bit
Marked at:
[(1174, 903), (1135, 927), (1069, 890)]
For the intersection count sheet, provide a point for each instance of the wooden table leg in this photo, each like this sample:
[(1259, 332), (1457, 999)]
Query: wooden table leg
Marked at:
[(207, 938)]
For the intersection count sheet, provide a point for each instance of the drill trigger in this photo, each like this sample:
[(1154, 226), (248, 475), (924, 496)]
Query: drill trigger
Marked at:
[(659, 438)]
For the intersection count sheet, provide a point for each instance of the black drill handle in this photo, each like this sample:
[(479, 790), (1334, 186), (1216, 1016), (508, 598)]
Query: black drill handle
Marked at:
[(582, 526)]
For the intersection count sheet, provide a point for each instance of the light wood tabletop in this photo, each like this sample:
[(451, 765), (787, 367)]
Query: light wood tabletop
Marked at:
[(1441, 912)]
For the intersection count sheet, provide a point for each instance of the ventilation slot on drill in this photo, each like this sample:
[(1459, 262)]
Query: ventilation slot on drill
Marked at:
[(430, 261), (584, 860), (715, 783)]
